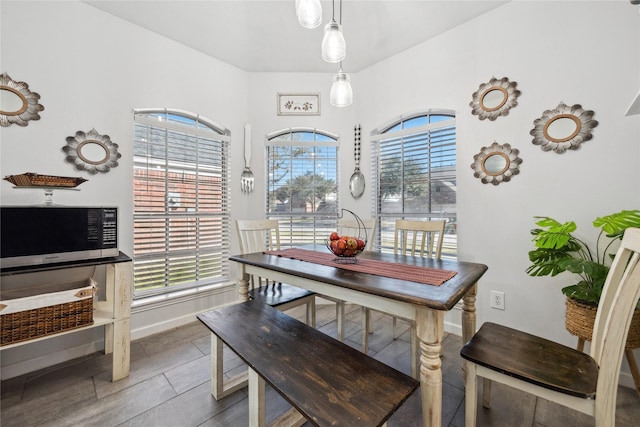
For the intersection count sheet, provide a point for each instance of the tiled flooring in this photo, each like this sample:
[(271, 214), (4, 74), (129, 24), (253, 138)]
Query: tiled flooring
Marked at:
[(169, 386)]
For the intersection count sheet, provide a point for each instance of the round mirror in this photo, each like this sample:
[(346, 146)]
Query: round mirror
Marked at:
[(17, 103), (563, 128), (494, 99), (91, 152), (496, 163), (12, 102)]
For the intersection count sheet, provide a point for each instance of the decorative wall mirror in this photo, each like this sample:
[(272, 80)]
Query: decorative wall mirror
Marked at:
[(494, 98), (563, 128), (17, 103), (91, 151), (496, 163)]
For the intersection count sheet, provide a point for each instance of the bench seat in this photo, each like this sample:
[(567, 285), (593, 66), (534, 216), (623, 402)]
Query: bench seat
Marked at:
[(326, 381)]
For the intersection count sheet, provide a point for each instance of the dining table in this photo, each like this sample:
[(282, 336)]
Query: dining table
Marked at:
[(414, 288)]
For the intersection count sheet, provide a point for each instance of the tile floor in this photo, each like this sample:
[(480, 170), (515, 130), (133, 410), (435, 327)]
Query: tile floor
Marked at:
[(169, 385)]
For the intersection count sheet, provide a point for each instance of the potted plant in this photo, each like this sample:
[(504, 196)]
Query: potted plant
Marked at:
[(558, 250)]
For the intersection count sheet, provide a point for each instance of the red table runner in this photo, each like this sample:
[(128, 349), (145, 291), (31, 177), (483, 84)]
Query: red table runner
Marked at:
[(411, 273)]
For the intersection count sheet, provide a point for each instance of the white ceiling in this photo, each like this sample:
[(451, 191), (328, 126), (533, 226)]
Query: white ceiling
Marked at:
[(264, 35)]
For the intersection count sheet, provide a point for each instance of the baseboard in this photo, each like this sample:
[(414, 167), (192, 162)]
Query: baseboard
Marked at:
[(52, 359)]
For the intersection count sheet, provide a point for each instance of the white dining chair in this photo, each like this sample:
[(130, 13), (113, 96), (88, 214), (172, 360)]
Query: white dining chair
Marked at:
[(264, 235), (587, 383)]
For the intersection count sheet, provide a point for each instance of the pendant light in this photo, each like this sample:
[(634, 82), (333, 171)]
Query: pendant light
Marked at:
[(334, 48), (309, 13), (341, 94)]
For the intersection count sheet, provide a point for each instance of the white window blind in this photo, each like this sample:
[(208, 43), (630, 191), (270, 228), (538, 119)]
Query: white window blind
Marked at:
[(414, 164), (181, 202), (302, 175)]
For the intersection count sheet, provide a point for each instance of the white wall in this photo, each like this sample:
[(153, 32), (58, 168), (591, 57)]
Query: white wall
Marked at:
[(92, 69), (575, 52)]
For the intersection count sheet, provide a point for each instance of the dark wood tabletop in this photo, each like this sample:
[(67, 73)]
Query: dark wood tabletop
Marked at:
[(442, 297)]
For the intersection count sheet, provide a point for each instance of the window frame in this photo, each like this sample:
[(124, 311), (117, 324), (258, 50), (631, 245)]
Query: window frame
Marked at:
[(321, 223), (386, 220), (215, 213)]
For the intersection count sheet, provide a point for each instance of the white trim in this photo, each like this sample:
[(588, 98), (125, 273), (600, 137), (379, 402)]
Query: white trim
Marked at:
[(188, 114), (170, 298), (413, 131), (301, 129), (410, 115)]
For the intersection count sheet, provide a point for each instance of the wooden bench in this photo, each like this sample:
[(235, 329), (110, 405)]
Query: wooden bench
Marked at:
[(327, 382)]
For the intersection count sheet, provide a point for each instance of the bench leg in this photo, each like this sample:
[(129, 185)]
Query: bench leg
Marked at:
[(257, 404), (219, 387)]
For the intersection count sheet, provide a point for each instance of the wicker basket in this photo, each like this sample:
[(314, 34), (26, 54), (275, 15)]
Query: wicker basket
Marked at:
[(581, 318), (47, 314)]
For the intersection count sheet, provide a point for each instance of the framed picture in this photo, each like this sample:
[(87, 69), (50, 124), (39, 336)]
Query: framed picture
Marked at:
[(300, 104)]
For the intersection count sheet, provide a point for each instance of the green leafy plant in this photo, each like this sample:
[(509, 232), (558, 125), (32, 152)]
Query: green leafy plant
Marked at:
[(558, 250)]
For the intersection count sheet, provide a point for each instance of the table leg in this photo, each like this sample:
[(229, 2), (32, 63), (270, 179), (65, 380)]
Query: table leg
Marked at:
[(244, 285), (469, 314), (430, 331), (469, 330)]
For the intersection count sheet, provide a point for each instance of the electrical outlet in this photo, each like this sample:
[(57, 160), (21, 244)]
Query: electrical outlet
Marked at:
[(497, 300)]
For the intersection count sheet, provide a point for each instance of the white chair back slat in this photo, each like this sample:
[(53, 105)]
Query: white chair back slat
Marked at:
[(418, 238)]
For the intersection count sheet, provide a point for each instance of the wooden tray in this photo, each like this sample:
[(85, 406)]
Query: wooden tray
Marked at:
[(30, 179)]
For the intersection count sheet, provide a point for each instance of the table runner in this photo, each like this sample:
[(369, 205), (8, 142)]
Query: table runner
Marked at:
[(411, 273)]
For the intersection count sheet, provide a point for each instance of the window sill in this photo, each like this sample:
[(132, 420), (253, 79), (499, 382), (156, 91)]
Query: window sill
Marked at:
[(177, 297)]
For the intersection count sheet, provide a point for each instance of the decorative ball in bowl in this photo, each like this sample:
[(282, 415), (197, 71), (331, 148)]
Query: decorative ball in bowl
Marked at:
[(345, 248)]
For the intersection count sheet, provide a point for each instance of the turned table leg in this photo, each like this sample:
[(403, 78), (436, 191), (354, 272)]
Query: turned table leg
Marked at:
[(430, 331)]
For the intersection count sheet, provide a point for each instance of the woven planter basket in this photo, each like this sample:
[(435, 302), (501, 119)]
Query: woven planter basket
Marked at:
[(582, 316)]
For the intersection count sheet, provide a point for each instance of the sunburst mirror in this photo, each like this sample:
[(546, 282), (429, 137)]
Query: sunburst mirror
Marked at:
[(494, 99), (563, 128), (17, 103), (496, 163), (91, 151)]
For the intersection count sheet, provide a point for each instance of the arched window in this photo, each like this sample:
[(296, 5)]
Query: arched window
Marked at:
[(180, 205), (414, 173), (302, 176)]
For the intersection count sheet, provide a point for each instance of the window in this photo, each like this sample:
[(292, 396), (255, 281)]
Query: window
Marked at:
[(414, 168), (302, 179), (180, 205)]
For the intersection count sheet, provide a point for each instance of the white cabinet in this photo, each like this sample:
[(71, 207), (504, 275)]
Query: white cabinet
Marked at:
[(113, 310)]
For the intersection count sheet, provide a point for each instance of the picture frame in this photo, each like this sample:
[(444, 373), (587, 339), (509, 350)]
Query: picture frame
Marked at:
[(298, 104)]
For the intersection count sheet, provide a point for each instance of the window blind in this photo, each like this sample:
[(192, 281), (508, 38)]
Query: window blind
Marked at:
[(414, 164), (302, 176), (181, 202)]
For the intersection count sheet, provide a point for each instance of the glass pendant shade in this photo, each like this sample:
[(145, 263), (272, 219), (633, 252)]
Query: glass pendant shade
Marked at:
[(309, 13), (334, 48), (341, 93)]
